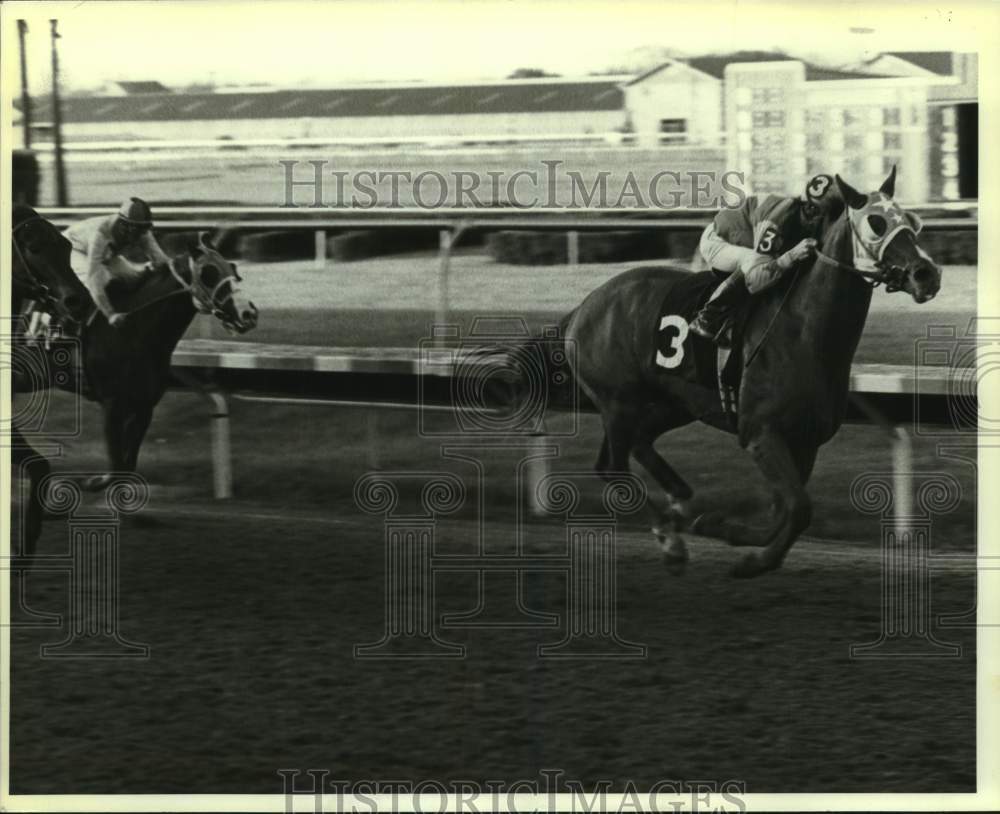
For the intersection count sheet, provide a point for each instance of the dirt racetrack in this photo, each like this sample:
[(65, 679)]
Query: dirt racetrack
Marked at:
[(252, 621), (253, 607)]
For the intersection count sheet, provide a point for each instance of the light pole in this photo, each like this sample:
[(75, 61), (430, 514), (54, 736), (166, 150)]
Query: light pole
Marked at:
[(62, 198), (22, 29)]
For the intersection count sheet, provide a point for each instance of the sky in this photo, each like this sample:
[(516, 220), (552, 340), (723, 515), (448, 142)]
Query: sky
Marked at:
[(324, 44)]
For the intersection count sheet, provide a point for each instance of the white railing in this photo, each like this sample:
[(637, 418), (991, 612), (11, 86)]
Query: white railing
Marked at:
[(450, 222)]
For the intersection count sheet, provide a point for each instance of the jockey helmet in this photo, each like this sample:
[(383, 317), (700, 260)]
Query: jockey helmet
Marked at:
[(820, 197), (135, 212)]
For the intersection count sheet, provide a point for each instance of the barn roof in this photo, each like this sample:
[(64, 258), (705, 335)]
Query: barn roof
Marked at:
[(501, 97), (939, 62), (715, 66)]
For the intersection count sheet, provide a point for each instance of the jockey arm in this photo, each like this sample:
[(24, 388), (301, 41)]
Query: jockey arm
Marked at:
[(762, 266), (98, 273), (152, 249)]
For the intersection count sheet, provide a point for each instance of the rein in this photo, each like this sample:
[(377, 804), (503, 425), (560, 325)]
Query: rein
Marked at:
[(192, 288), (891, 275)]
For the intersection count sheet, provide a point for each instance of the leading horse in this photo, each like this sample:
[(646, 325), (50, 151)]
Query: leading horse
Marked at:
[(802, 335), (41, 273)]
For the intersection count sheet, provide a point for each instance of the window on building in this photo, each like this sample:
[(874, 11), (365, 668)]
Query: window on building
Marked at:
[(673, 130), (892, 141), (769, 118), (815, 143), (768, 96), (854, 142), (890, 116)]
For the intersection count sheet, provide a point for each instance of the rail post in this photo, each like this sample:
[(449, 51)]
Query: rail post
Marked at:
[(319, 262), (573, 248)]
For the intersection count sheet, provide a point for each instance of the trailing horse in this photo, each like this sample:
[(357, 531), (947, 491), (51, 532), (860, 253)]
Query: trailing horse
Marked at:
[(646, 374), (43, 275), (127, 367)]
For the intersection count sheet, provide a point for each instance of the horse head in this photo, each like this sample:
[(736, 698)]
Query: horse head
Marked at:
[(41, 267), (884, 241), (214, 288)]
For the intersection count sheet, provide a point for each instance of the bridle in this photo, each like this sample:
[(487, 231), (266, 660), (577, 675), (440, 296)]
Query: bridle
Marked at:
[(890, 274), (205, 299), (35, 284), (38, 289)]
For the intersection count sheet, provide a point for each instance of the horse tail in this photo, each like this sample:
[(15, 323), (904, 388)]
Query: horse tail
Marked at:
[(526, 376)]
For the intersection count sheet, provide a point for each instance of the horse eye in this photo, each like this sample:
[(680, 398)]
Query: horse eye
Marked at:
[(810, 210), (877, 224)]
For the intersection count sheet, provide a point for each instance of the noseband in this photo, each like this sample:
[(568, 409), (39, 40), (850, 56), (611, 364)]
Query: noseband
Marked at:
[(891, 275), (201, 294)]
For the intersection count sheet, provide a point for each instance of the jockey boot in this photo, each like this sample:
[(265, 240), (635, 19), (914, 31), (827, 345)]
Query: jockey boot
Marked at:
[(712, 321)]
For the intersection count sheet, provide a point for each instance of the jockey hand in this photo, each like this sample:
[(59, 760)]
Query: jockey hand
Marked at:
[(803, 251), (116, 319)]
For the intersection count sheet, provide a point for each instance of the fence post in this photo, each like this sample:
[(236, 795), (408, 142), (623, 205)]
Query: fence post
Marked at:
[(445, 243), (573, 247), (222, 465), (319, 263)]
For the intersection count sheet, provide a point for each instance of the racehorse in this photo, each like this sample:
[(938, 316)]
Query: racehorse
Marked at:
[(41, 273), (800, 335), (127, 367)]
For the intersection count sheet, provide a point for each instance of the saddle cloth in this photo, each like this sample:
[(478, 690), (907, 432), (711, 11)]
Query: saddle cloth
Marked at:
[(680, 352)]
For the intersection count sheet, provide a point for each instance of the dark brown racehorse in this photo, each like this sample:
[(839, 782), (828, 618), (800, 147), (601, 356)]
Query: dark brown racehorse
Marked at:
[(42, 274), (127, 366), (801, 334)]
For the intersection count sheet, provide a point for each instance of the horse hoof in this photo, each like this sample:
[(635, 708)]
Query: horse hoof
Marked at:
[(96, 482), (748, 567), (676, 566)]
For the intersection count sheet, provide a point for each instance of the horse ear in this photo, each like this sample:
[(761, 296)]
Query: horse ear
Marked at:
[(851, 196), (205, 241), (889, 184)]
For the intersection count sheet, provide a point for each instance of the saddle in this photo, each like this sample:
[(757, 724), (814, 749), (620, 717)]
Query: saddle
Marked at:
[(680, 352)]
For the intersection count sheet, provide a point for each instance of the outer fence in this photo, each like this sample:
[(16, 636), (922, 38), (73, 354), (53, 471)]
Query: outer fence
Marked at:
[(873, 390), (452, 222)]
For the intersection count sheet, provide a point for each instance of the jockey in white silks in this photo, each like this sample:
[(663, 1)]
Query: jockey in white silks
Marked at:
[(99, 245)]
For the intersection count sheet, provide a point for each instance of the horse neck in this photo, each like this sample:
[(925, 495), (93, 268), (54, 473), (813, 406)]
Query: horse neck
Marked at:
[(165, 310), (834, 303)]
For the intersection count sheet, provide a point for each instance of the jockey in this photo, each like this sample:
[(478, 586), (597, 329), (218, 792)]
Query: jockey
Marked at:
[(749, 243), (99, 246)]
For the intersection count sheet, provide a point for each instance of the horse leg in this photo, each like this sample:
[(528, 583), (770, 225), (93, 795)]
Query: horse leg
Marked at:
[(133, 433), (35, 467), (669, 521), (787, 468), (117, 416)]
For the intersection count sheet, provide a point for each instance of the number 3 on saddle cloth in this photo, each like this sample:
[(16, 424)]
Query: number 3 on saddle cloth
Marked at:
[(682, 353)]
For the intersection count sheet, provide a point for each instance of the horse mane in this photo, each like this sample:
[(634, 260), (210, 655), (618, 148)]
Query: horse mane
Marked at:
[(157, 285), (22, 212)]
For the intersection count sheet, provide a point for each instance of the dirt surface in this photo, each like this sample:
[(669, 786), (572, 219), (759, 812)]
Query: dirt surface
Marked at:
[(252, 609), (252, 621)]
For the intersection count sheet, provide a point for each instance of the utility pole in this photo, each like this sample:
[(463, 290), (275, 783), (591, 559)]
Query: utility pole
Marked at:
[(62, 199), (22, 29)]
